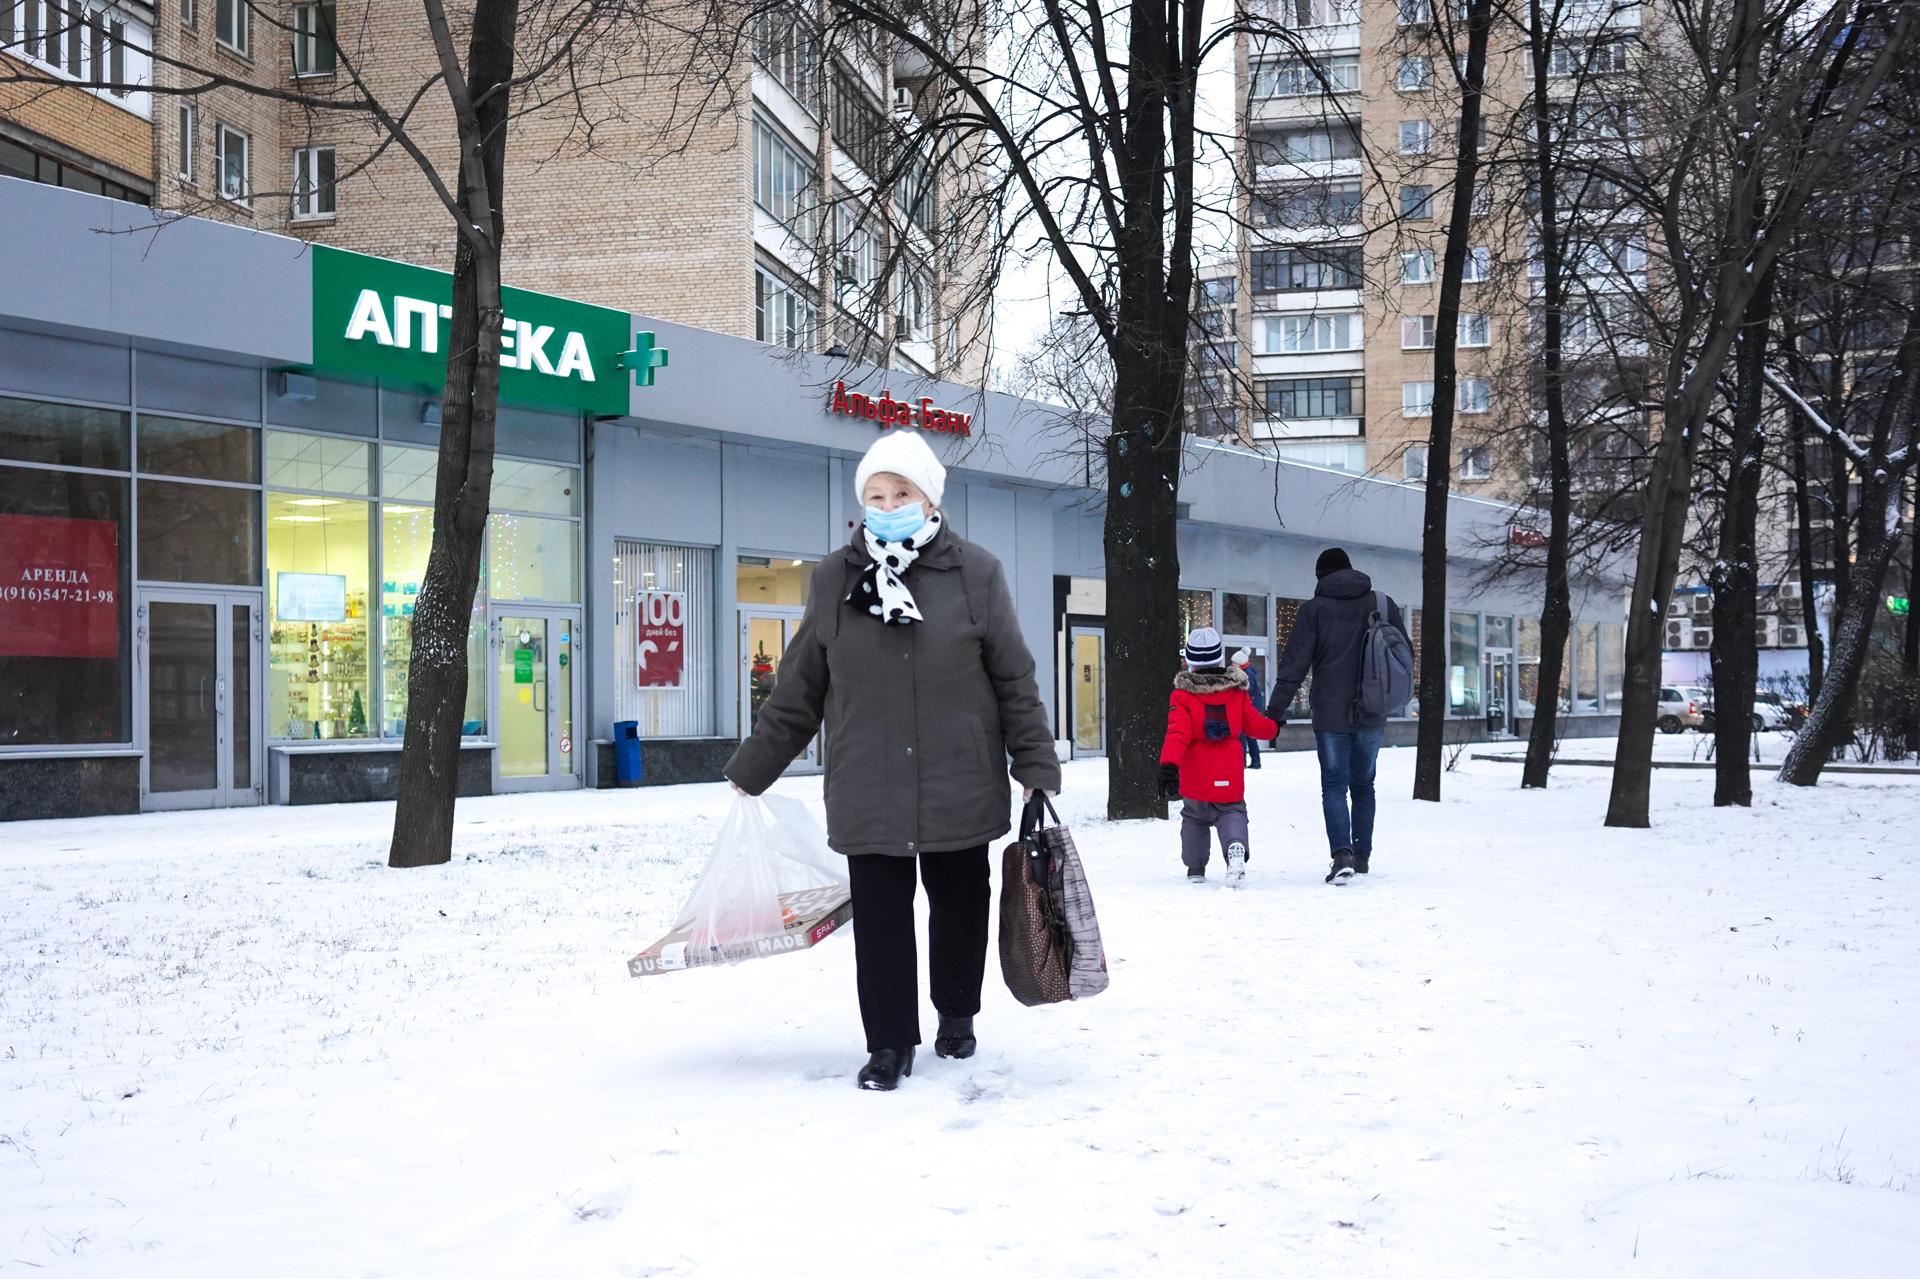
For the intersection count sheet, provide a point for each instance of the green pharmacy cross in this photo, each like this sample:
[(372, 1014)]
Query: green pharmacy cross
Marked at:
[(644, 359)]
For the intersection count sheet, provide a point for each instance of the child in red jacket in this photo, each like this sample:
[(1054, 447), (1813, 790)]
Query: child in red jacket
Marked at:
[(1203, 763)]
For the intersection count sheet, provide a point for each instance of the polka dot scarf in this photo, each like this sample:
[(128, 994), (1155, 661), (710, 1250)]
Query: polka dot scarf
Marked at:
[(879, 589)]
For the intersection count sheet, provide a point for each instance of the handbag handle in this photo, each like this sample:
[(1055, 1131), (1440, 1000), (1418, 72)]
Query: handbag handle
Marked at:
[(1033, 816)]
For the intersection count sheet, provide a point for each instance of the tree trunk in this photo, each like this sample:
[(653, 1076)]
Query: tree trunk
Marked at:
[(1809, 598), (1428, 761), (1556, 610), (1910, 641), (1852, 637), (463, 486), (1736, 576)]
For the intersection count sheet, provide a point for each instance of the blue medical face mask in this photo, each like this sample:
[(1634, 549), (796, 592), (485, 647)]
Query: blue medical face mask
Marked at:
[(898, 524)]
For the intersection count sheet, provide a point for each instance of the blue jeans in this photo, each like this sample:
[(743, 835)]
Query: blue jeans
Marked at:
[(1346, 765)]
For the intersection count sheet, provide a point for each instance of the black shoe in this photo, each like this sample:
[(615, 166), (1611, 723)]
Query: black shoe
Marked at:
[(1196, 876), (955, 1037), (883, 1070), (1360, 861), (1342, 869)]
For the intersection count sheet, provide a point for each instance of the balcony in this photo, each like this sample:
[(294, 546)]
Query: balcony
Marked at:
[(1309, 428)]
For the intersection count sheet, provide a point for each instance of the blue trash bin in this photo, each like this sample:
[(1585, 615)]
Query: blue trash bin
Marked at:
[(626, 753)]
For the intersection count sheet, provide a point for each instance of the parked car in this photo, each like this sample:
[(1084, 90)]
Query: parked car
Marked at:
[(1683, 706), (1770, 713)]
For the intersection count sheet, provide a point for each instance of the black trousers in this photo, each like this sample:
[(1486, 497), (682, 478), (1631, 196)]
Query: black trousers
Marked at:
[(885, 956)]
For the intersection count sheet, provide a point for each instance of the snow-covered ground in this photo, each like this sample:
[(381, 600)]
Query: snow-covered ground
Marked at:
[(1771, 748), (235, 1045)]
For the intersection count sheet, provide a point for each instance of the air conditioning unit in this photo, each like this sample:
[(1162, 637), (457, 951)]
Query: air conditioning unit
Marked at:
[(1766, 632), (846, 270), (1702, 604), (903, 328), (1679, 635), (1702, 637), (1676, 607), (1789, 591), (1792, 636), (902, 102)]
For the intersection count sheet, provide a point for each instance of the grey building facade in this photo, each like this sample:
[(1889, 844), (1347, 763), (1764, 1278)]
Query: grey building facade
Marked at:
[(214, 513)]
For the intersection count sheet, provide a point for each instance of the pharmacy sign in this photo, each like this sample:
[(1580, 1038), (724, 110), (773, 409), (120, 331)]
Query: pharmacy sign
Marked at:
[(377, 317)]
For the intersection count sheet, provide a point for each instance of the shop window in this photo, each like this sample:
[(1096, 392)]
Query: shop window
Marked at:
[(1196, 609), (1286, 613), (199, 533), (1245, 614), (1499, 632), (1527, 660), (199, 450), (406, 536), (529, 558), (64, 673), (778, 581), (408, 474), (62, 435), (321, 463), (534, 487), (664, 594), (1613, 666), (318, 676), (1463, 666), (1586, 692)]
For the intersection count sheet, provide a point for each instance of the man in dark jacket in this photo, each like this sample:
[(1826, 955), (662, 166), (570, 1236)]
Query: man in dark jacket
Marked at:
[(1327, 641)]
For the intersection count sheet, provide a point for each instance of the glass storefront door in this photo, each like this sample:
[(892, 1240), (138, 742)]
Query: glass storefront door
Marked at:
[(1501, 689), (536, 671), (1259, 665), (765, 633), (1087, 683), (199, 695)]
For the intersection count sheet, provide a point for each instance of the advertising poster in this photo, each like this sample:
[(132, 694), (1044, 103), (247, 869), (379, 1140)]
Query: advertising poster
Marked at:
[(660, 639), (59, 587)]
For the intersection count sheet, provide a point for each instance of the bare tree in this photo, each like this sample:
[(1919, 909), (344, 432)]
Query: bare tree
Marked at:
[(1732, 135)]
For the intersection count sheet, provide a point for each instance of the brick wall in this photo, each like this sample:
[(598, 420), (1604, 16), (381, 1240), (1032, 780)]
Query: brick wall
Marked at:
[(78, 119)]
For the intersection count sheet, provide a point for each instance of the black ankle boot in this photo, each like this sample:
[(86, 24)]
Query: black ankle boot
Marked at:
[(883, 1070), (955, 1037)]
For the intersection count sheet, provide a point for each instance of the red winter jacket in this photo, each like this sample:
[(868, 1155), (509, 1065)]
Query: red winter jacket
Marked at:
[(1213, 765)]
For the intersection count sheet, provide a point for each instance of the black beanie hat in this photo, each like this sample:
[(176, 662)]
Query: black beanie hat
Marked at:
[(1331, 560)]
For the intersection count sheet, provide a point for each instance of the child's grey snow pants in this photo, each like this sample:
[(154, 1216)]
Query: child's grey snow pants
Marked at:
[(1197, 818)]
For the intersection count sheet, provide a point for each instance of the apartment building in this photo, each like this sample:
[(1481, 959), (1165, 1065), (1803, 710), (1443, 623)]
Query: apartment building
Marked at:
[(1348, 109), (760, 185), (98, 140)]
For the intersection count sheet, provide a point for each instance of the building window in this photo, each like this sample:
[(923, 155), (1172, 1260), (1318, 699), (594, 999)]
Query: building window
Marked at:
[(103, 46), (189, 128), (313, 182), (1476, 395), (1586, 687), (1414, 74), (230, 154), (1416, 202), (65, 677), (1415, 459), (1304, 334), (1301, 15), (1416, 399), (1302, 78), (1416, 137), (1313, 397), (1313, 205), (1307, 146), (1476, 462), (233, 24), (782, 180), (787, 45), (1338, 455), (662, 593), (1306, 268), (914, 302), (1416, 332), (1416, 266), (1476, 330), (187, 13), (319, 680), (406, 536), (313, 48), (784, 314), (1478, 266), (1413, 13)]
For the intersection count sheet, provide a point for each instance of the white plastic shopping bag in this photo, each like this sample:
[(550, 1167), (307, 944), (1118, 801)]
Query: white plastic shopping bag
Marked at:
[(771, 886)]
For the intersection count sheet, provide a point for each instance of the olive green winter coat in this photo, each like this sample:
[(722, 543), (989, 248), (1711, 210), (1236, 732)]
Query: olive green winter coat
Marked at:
[(920, 718)]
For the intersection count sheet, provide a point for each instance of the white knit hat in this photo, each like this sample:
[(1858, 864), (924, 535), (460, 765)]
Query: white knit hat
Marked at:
[(902, 452), (1241, 656)]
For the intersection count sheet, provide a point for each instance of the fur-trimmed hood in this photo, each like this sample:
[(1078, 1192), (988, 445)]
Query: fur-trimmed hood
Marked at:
[(1201, 683)]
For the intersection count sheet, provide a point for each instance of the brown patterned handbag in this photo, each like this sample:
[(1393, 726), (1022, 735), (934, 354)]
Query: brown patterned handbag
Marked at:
[(1050, 948)]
